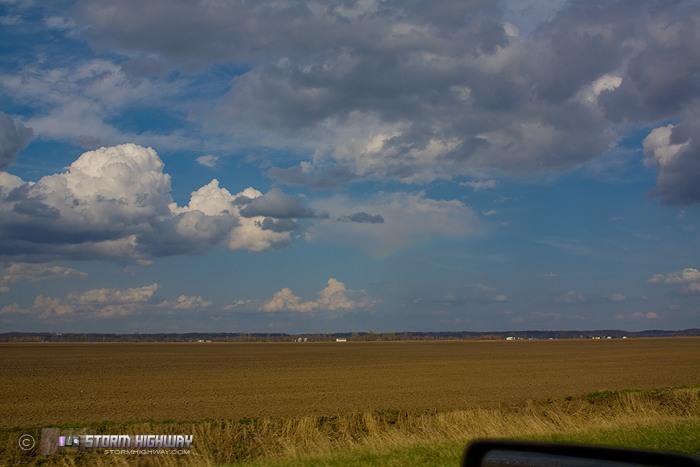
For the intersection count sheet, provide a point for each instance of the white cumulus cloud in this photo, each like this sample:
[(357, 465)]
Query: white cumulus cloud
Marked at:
[(649, 315), (617, 297), (208, 160), (106, 303), (188, 302), (12, 273), (688, 278), (115, 203), (96, 303), (658, 148), (335, 296)]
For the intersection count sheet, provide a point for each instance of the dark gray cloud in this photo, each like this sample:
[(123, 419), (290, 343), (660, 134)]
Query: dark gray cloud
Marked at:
[(255, 32), (415, 92), (276, 204), (363, 217), (582, 43), (278, 225), (660, 80), (13, 138), (317, 178)]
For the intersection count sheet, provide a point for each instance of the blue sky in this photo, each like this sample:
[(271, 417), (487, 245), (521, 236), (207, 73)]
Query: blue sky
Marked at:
[(177, 166)]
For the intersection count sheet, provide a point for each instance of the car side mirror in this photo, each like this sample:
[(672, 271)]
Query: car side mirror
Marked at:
[(504, 453)]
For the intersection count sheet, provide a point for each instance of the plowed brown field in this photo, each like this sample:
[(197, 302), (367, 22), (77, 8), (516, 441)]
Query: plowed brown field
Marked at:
[(89, 383)]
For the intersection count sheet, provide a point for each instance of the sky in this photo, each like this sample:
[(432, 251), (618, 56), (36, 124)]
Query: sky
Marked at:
[(337, 166)]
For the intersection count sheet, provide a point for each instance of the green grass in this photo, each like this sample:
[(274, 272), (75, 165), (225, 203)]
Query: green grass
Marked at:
[(435, 454), (682, 436)]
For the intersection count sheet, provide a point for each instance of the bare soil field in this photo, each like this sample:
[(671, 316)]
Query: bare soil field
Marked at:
[(91, 383)]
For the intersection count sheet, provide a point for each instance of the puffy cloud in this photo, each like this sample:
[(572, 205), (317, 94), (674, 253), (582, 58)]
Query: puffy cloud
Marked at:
[(278, 225), (52, 307), (285, 300), (409, 218), (687, 275), (647, 315), (22, 272), (105, 303), (96, 303), (569, 298), (688, 278), (332, 298), (604, 83), (336, 297), (674, 151), (111, 302), (103, 203), (13, 138), (658, 148), (78, 101), (208, 160), (185, 302), (618, 297), (115, 203), (276, 204)]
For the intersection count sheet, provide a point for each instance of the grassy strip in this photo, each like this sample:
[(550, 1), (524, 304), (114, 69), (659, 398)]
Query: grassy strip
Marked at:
[(401, 438), (673, 436), (678, 436), (435, 454)]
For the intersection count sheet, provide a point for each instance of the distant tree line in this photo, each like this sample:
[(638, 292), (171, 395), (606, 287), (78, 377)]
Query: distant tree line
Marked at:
[(328, 337)]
